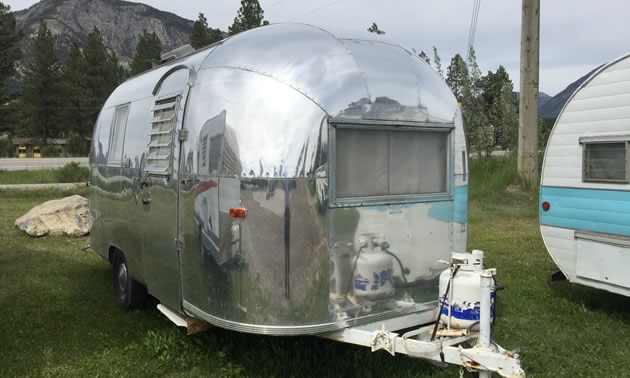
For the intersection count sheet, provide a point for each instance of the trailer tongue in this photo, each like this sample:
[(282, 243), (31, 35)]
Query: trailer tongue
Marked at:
[(471, 349), (438, 339)]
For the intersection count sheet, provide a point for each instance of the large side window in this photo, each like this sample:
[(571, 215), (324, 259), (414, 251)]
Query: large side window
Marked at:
[(161, 135), (605, 161), (372, 163), (117, 135)]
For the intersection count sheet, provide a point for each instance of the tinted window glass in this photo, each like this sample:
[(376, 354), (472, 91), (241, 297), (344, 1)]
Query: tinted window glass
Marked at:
[(382, 163), (605, 162)]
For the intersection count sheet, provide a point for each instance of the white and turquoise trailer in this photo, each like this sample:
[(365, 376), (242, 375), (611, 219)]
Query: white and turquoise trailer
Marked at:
[(585, 187)]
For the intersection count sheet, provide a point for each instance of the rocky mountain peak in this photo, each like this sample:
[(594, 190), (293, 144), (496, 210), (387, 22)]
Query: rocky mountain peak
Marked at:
[(120, 23)]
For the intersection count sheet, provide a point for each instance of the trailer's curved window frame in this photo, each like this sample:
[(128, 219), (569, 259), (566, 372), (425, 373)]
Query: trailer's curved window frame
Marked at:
[(389, 127), (602, 157)]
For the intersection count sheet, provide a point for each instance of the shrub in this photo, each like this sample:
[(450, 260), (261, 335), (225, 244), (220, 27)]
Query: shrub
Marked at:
[(72, 172), (50, 151), (76, 145), (6, 148)]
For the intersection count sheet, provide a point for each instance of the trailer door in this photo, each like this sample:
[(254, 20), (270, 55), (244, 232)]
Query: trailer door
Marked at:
[(159, 188)]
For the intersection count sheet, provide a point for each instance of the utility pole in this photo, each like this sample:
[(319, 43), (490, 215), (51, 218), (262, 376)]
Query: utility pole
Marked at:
[(528, 106)]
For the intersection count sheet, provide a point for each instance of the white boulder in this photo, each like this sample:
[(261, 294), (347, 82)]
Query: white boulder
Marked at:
[(70, 215)]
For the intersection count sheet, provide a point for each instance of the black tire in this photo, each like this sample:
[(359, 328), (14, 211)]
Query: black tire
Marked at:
[(128, 292)]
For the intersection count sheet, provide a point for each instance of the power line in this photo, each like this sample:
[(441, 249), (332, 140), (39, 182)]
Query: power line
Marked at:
[(473, 28), (274, 4), (316, 10)]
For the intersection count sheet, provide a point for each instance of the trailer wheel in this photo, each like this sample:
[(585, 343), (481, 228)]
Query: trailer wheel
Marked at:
[(128, 292)]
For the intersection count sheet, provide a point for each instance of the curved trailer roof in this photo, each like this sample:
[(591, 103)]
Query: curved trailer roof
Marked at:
[(339, 71)]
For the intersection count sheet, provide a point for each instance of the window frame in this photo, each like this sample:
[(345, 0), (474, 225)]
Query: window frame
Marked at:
[(402, 126), (605, 139), (112, 161)]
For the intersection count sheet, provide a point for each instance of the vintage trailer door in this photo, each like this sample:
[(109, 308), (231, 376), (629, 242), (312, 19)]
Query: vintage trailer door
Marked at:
[(159, 187)]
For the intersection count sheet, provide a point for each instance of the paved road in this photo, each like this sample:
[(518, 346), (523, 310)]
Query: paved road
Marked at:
[(42, 186), (16, 164)]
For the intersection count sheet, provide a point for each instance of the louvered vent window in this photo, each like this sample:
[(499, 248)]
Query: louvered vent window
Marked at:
[(162, 131)]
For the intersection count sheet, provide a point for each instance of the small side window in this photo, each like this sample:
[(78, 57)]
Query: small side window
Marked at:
[(605, 162), (117, 135)]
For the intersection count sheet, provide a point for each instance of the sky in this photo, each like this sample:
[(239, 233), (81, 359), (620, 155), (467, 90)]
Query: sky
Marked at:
[(575, 36)]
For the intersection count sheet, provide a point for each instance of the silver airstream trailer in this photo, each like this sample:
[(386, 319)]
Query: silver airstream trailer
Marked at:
[(585, 182), (288, 181)]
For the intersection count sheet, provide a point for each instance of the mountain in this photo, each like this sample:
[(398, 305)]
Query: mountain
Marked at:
[(553, 107), (120, 23), (542, 98)]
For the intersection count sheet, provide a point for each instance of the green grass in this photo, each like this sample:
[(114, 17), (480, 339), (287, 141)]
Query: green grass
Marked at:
[(59, 317), (71, 172)]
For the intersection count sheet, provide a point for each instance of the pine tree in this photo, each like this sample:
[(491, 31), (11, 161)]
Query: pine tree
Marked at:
[(103, 72), (499, 102), (374, 29), (438, 62), (478, 131), (457, 77), (250, 15), (76, 112), (147, 55), (425, 57), (41, 92), (201, 35), (9, 54)]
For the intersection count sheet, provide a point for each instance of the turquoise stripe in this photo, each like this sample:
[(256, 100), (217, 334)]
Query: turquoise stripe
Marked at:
[(587, 209), (456, 210), (461, 204)]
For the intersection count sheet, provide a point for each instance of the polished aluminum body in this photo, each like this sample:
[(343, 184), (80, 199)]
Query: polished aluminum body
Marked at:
[(326, 138)]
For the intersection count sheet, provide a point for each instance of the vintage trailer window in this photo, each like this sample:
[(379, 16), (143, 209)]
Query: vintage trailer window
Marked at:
[(163, 126), (117, 134), (372, 163), (605, 162)]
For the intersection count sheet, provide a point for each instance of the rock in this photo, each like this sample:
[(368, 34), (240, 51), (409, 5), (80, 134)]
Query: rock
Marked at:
[(70, 215)]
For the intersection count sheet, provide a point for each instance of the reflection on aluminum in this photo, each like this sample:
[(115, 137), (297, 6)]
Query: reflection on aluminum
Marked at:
[(257, 117)]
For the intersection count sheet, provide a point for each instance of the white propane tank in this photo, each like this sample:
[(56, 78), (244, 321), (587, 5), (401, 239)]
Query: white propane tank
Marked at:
[(464, 294), (374, 269)]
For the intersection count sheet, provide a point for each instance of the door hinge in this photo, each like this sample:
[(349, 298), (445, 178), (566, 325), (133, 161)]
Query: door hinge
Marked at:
[(183, 135), (179, 244)]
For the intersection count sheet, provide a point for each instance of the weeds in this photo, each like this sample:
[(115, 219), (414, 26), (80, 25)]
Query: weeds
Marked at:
[(71, 172)]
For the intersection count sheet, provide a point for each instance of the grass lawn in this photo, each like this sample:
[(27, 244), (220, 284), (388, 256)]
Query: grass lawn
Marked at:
[(59, 317)]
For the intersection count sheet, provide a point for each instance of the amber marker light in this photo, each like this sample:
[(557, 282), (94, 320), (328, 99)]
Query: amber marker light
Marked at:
[(545, 206), (238, 212)]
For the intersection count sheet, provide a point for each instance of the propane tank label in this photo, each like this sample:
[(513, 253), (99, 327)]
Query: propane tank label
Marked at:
[(466, 310), (379, 280)]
